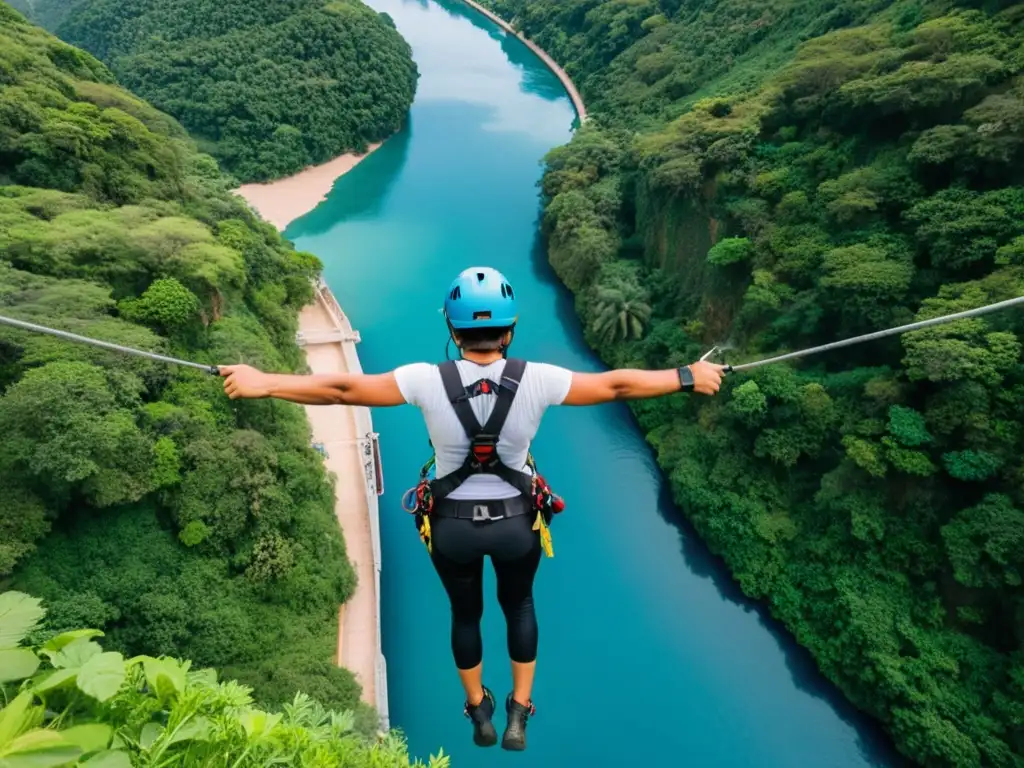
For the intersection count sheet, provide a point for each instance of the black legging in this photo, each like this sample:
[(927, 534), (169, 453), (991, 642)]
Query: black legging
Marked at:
[(458, 553)]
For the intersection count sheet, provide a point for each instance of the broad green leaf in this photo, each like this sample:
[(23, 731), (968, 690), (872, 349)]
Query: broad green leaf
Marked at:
[(150, 733), (17, 664), (206, 676), (257, 722), (59, 678), (16, 717), (196, 729), (19, 615), (102, 675), (165, 677), (66, 638), (76, 653), (38, 749), (109, 758), (89, 737)]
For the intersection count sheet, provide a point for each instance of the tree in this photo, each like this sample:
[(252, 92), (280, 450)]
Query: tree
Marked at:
[(622, 313)]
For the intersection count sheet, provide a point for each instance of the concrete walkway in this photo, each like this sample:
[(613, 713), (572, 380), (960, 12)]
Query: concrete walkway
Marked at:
[(335, 427)]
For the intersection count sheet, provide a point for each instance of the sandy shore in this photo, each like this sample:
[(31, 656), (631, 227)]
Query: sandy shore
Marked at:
[(283, 201)]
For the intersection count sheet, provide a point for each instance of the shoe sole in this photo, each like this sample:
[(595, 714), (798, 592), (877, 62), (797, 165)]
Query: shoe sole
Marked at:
[(485, 736), (513, 746)]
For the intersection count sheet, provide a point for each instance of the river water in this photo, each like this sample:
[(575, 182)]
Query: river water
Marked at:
[(649, 653)]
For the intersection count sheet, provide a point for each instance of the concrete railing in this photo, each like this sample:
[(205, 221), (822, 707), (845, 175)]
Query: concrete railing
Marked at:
[(373, 481)]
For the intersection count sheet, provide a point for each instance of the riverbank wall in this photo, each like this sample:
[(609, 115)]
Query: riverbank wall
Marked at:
[(352, 454)]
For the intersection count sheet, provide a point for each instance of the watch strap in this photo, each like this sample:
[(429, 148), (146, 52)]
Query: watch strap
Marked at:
[(686, 379)]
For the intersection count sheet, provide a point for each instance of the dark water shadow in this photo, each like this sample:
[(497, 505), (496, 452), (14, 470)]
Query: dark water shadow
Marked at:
[(376, 175), (538, 80), (873, 743), (459, 10)]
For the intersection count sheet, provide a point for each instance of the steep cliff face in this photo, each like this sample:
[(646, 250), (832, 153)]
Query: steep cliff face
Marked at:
[(781, 175)]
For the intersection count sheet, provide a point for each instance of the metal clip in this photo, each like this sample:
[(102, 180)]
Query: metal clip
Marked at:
[(482, 514)]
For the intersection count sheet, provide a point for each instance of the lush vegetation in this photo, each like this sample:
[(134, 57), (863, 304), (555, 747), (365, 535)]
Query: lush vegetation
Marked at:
[(66, 702), (137, 498), (781, 174), (266, 86)]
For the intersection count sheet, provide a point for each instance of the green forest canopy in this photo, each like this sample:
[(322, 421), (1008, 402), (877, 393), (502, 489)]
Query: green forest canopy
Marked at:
[(66, 700), (267, 87), (785, 173), (137, 498)]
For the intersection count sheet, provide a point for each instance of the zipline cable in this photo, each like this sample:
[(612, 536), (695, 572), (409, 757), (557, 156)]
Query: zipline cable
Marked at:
[(212, 369), (106, 345), (878, 335)]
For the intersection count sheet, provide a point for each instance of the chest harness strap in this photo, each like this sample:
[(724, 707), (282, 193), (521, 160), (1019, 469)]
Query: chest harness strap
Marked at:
[(482, 457)]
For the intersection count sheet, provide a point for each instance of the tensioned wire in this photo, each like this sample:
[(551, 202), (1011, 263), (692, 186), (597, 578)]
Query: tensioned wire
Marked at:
[(212, 369)]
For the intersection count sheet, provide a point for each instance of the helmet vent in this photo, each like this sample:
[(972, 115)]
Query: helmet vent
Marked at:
[(480, 276), (506, 291), (456, 293)]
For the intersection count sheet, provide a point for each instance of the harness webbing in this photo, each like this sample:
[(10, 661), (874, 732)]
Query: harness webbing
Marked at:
[(483, 455)]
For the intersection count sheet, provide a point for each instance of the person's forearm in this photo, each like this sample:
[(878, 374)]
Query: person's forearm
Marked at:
[(634, 384), (314, 389)]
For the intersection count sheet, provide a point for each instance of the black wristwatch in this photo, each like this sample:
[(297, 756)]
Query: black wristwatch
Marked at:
[(685, 379)]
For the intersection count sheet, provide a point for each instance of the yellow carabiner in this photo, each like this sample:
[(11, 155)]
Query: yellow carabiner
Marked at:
[(425, 534), (545, 535)]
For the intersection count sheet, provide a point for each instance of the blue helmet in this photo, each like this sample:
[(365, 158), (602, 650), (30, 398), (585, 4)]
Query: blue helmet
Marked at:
[(480, 297)]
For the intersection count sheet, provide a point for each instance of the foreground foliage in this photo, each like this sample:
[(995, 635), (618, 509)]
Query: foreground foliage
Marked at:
[(267, 86), (69, 702), (136, 498), (780, 175)]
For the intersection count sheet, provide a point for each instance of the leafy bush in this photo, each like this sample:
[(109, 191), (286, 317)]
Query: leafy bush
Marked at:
[(69, 702)]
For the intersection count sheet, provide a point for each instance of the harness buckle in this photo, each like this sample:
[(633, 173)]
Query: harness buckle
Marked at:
[(482, 514), (484, 448)]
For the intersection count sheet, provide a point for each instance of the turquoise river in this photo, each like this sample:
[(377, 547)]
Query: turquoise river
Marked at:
[(649, 653)]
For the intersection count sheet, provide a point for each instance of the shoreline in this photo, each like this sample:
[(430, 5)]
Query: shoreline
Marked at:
[(540, 53), (282, 201)]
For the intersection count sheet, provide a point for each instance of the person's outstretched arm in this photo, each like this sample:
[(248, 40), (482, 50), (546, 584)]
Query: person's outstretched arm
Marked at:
[(633, 384), (244, 381)]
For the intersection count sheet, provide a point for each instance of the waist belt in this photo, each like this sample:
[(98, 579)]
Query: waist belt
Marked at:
[(482, 511)]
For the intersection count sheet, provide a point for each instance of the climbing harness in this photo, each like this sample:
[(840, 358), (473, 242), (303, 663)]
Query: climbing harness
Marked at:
[(212, 369), (482, 458)]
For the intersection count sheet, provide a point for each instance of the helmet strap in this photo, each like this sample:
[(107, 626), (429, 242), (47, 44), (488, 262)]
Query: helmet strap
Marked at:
[(512, 337), (451, 338)]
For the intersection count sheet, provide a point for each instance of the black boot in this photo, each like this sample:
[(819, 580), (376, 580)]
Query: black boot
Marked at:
[(484, 734), (515, 731)]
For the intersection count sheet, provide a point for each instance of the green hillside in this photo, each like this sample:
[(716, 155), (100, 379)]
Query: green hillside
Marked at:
[(137, 498), (781, 174), (268, 87)]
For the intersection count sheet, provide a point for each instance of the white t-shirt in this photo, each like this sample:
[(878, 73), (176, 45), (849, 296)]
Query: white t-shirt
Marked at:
[(542, 385)]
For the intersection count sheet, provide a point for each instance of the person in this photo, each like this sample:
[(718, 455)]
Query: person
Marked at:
[(481, 503)]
